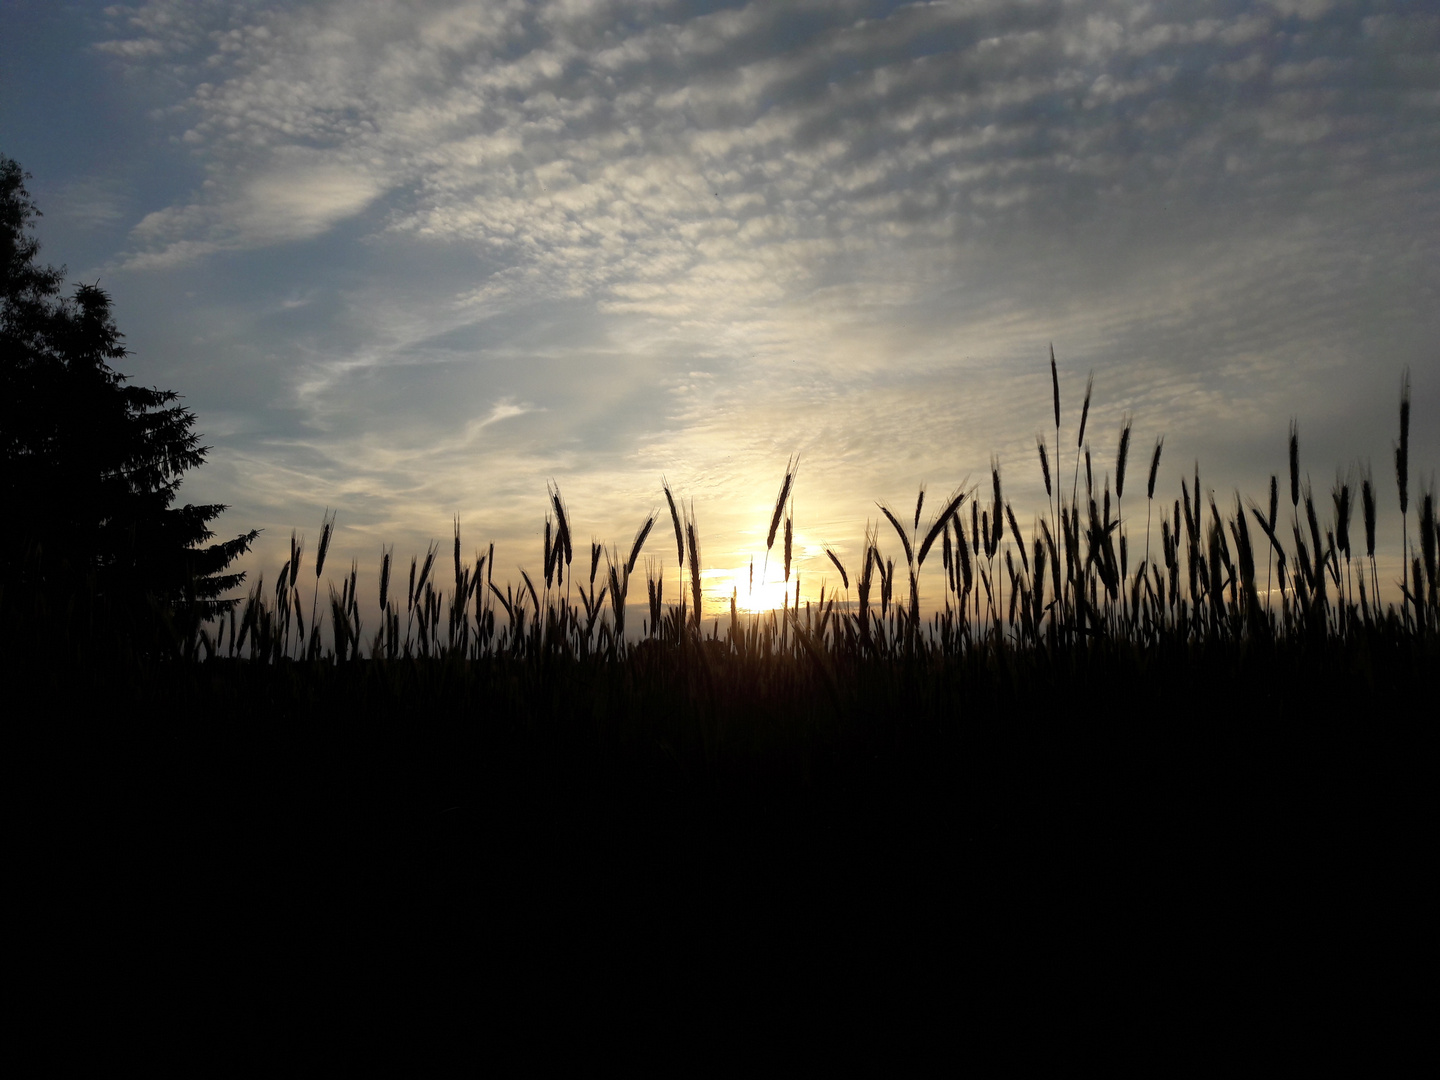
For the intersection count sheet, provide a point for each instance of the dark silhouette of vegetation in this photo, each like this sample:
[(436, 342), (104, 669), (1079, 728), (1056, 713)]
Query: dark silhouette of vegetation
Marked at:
[(1074, 589), (90, 465)]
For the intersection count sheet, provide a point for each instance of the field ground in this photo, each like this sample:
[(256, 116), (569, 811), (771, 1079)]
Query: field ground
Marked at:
[(268, 841)]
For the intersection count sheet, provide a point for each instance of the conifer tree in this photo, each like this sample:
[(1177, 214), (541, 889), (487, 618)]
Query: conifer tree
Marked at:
[(90, 465)]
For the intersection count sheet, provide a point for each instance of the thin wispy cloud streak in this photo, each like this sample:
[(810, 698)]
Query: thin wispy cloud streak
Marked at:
[(418, 260)]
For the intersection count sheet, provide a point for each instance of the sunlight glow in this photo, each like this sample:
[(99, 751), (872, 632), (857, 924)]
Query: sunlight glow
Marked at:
[(766, 595)]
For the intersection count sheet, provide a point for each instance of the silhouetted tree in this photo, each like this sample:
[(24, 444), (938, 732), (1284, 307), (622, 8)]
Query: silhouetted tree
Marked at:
[(89, 466)]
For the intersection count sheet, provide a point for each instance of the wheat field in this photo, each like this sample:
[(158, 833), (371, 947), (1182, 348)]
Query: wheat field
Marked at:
[(1200, 572)]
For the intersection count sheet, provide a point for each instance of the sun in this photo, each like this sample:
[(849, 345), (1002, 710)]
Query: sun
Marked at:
[(765, 595)]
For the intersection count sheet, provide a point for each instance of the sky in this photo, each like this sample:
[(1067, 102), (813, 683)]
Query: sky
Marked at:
[(412, 261)]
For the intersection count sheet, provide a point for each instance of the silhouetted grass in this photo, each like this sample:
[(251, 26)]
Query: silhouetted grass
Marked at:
[(1042, 601), (1202, 590)]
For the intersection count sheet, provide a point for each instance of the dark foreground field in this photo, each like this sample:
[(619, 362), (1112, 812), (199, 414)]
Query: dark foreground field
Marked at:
[(225, 856)]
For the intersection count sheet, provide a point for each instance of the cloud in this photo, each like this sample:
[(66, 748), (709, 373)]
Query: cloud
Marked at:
[(503, 409), (297, 195), (605, 147), (133, 48), (296, 200), (95, 202), (854, 221)]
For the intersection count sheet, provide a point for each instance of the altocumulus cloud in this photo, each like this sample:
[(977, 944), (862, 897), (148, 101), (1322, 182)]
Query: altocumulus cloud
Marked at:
[(698, 237)]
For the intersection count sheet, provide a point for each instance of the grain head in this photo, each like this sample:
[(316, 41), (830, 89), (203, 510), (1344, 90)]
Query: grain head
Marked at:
[(1120, 457), (327, 528), (675, 520), (1294, 463), (1055, 385), (1402, 449), (1154, 467)]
